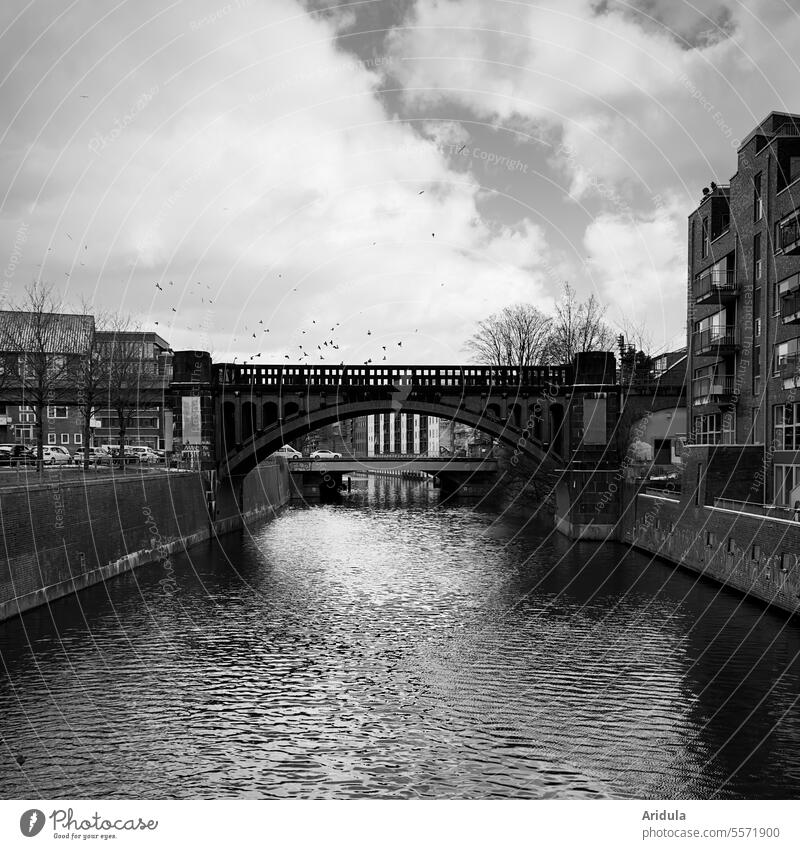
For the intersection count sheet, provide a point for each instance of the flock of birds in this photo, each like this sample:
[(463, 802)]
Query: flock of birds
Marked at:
[(324, 351)]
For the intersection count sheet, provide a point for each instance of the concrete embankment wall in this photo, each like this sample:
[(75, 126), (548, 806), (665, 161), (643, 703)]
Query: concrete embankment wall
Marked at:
[(60, 537), (754, 554)]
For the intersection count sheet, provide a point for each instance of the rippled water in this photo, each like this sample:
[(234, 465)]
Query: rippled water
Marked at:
[(392, 647)]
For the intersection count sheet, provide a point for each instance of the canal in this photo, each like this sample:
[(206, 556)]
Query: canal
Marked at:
[(393, 647)]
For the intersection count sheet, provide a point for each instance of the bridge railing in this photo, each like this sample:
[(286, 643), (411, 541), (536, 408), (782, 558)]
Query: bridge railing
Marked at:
[(445, 377)]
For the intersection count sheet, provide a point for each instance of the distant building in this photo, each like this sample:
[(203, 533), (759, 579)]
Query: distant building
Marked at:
[(152, 420), (744, 305), (396, 433), (63, 337)]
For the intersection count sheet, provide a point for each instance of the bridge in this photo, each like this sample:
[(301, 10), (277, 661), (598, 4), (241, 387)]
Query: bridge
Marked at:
[(313, 479), (560, 417), (389, 462)]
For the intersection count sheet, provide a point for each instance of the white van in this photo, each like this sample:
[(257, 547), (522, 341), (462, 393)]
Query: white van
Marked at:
[(288, 452)]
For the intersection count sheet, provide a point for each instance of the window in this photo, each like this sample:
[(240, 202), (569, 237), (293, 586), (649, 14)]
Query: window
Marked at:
[(77, 438), (51, 439), (711, 538), (65, 439), (708, 429), (704, 242), (731, 545), (787, 232), (785, 356), (756, 369), (710, 381), (757, 312), (757, 256), (56, 412), (758, 201), (786, 426), (26, 417), (786, 479), (755, 552)]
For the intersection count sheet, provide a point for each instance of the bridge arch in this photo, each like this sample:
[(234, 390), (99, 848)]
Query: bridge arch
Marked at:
[(246, 455)]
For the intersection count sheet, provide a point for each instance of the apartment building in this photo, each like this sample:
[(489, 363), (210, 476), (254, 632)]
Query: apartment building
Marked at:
[(744, 306)]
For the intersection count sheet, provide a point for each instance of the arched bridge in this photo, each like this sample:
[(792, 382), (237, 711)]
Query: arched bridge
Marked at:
[(249, 411)]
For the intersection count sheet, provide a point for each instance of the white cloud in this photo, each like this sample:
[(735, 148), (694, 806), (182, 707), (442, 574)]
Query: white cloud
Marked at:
[(246, 154), (637, 264)]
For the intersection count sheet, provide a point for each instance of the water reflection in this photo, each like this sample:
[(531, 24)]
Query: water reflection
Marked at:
[(394, 647)]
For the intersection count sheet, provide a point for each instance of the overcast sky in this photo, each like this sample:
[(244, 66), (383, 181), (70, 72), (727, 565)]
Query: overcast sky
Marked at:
[(392, 169)]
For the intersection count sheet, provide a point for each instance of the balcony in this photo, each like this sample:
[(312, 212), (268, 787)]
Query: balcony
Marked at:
[(718, 341), (790, 307), (790, 237), (789, 367), (716, 285), (717, 389)]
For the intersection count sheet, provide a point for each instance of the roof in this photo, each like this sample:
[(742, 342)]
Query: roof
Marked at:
[(144, 336), (776, 123), (60, 333)]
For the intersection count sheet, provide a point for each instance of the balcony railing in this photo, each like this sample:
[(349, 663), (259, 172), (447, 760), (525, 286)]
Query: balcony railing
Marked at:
[(790, 307), (790, 236), (716, 340), (712, 390), (716, 283)]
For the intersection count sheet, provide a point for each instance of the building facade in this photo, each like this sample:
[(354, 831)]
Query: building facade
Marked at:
[(150, 421), (744, 306)]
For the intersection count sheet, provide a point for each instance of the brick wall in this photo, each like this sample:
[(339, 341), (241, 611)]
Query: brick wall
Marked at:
[(57, 538)]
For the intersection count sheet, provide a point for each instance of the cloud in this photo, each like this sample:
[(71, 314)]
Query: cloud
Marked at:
[(637, 264), (233, 150), (644, 101)]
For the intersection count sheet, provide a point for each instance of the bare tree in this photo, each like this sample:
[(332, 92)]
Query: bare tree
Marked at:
[(130, 374), (578, 327), (41, 345), (518, 336), (90, 376)]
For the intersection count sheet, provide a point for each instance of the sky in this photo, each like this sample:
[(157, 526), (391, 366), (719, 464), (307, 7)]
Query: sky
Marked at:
[(318, 182)]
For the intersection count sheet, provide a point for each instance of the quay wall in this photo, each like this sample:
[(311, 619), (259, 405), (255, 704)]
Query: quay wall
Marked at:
[(61, 536), (727, 541)]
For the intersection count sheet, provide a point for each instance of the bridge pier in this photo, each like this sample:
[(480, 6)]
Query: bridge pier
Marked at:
[(316, 487)]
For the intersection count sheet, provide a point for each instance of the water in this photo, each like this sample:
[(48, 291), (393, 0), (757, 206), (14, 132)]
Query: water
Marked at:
[(392, 647)]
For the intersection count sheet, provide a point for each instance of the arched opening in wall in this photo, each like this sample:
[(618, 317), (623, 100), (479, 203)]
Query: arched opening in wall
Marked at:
[(290, 409), (557, 428), (229, 425), (248, 420), (269, 414), (492, 411), (515, 415)]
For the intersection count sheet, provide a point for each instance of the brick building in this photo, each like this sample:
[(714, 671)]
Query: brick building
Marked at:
[(744, 306), (60, 339), (72, 337), (151, 421)]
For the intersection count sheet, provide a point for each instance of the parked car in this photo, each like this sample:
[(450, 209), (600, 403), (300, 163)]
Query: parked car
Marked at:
[(96, 455), (114, 452), (56, 455), (325, 454), (16, 455), (143, 453), (288, 452)]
